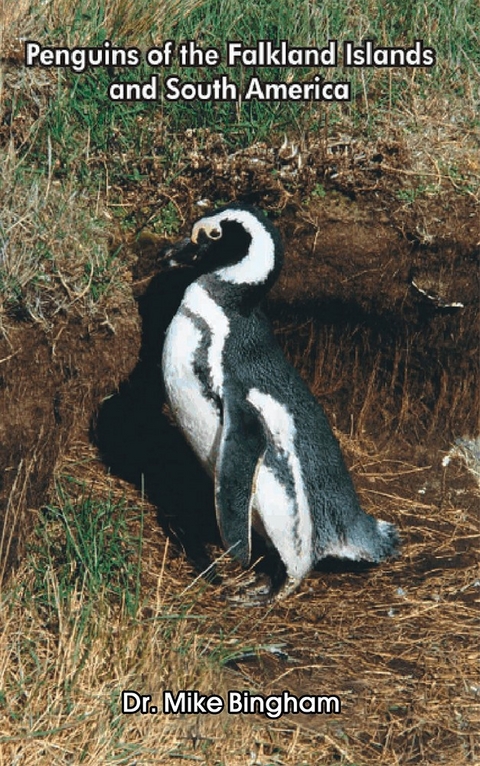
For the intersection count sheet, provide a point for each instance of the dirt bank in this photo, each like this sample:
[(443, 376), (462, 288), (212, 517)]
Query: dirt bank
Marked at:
[(52, 378)]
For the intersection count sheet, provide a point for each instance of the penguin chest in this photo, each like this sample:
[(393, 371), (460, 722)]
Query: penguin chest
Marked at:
[(192, 371)]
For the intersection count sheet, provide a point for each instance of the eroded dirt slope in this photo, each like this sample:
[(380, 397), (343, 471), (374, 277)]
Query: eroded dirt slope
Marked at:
[(52, 378)]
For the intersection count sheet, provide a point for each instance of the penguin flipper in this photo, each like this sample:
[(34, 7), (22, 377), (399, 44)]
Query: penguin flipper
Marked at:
[(241, 449)]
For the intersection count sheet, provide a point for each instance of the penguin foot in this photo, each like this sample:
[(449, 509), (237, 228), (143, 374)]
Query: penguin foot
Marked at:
[(289, 586), (257, 590)]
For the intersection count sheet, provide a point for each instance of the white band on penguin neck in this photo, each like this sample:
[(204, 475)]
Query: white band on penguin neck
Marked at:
[(259, 261)]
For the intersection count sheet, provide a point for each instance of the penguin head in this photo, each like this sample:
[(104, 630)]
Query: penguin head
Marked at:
[(237, 244)]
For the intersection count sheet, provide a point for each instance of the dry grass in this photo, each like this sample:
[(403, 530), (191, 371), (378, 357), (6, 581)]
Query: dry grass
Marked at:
[(373, 383), (54, 254), (132, 21), (398, 644), (61, 678)]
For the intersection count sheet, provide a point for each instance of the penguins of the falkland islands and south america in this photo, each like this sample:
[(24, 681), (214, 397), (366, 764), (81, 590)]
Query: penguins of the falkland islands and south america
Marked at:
[(248, 415)]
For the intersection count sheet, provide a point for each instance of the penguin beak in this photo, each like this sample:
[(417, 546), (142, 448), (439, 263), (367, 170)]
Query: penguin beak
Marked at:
[(182, 254), (188, 251)]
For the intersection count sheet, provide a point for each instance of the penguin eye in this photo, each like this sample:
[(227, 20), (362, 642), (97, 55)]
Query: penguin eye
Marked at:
[(214, 234)]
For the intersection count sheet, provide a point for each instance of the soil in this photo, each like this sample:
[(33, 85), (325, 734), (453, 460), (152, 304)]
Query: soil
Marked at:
[(52, 378)]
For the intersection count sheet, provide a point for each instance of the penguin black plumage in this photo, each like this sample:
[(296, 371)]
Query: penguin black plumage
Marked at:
[(249, 416)]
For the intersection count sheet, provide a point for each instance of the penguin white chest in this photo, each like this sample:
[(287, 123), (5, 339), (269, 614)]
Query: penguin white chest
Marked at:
[(192, 370)]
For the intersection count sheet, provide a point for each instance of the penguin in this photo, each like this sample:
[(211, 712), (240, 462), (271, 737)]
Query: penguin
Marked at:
[(250, 418)]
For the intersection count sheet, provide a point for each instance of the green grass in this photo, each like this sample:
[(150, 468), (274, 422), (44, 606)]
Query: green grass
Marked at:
[(86, 541), (81, 109), (69, 150)]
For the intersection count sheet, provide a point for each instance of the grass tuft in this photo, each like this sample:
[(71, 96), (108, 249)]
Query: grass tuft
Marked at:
[(86, 542), (75, 633)]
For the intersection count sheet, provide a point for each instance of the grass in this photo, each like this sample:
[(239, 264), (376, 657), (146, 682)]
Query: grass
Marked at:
[(61, 129), (76, 630), (54, 245), (86, 542), (82, 598), (83, 97)]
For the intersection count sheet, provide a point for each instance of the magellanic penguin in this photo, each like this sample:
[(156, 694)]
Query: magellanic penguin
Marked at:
[(248, 415)]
